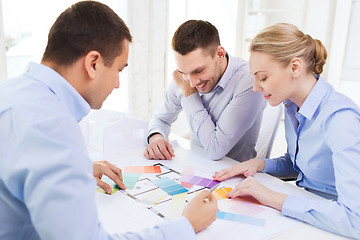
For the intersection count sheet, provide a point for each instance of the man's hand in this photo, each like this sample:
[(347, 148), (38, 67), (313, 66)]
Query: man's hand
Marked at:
[(248, 168), (201, 210), (114, 173), (159, 148), (183, 84)]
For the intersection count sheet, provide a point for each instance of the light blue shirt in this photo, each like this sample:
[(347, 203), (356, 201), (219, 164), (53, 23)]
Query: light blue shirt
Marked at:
[(323, 139), (47, 188), (225, 121)]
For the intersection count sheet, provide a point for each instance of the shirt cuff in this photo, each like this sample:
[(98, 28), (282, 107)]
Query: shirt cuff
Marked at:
[(269, 165), (295, 207), (177, 229), (154, 131), (192, 103)]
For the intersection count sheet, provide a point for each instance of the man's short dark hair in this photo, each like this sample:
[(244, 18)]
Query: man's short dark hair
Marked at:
[(195, 34), (84, 27)]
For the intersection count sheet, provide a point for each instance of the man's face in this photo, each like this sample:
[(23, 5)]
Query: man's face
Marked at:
[(200, 68), (108, 77)]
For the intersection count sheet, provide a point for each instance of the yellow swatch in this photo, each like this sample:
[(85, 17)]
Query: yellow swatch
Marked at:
[(177, 205)]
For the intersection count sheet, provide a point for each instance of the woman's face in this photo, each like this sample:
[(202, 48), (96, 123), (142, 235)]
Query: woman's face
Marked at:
[(271, 78)]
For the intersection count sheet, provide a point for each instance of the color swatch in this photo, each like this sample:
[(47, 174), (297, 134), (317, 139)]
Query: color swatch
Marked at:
[(130, 179), (177, 204), (154, 197), (114, 188), (169, 186), (187, 170), (200, 181), (142, 169), (241, 218), (220, 193), (113, 185)]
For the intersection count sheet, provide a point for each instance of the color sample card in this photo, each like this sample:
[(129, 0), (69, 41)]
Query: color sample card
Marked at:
[(220, 193), (177, 205), (187, 170), (130, 179), (200, 181), (142, 169), (154, 197), (169, 186), (113, 189), (241, 218)]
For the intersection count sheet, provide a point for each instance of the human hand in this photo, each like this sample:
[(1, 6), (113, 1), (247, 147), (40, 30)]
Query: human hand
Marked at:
[(201, 210), (159, 148), (264, 195), (248, 168), (114, 173), (183, 84)]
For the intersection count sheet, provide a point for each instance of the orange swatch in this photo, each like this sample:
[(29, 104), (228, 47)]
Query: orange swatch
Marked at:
[(142, 169), (220, 193)]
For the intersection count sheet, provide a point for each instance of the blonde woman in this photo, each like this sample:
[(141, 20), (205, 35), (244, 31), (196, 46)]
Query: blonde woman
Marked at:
[(322, 130)]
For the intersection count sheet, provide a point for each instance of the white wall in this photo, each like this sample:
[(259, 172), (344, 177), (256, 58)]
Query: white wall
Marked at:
[(148, 23), (3, 72), (351, 67)]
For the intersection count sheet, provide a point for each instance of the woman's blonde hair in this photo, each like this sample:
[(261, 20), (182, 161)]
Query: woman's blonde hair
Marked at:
[(285, 42)]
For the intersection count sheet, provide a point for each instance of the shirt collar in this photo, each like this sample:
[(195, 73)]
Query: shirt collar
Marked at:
[(225, 78), (313, 100), (65, 92)]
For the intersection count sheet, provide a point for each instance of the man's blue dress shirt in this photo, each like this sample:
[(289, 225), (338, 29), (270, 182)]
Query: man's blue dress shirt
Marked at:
[(225, 121), (323, 138), (47, 188)]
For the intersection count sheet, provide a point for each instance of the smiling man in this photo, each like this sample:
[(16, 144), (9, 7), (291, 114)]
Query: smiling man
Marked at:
[(215, 90)]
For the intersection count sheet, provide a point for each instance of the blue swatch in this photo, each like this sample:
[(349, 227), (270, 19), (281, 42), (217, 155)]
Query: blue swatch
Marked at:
[(241, 218), (169, 186)]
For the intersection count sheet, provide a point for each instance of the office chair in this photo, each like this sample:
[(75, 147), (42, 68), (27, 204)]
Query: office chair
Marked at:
[(269, 126)]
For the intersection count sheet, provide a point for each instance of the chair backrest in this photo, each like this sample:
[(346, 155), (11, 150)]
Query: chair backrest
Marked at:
[(269, 126)]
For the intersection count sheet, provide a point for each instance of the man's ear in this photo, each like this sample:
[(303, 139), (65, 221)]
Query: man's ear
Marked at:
[(92, 63), (296, 65), (220, 52)]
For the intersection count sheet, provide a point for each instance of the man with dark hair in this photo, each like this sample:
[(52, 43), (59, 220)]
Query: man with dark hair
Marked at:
[(215, 90), (47, 190)]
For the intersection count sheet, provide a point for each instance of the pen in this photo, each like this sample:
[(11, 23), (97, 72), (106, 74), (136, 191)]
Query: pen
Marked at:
[(211, 189)]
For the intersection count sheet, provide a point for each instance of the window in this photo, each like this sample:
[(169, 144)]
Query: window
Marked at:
[(26, 26)]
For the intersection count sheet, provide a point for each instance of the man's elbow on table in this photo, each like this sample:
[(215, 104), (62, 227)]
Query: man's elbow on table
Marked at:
[(215, 153)]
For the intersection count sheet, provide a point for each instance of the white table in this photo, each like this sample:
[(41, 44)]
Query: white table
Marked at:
[(119, 213)]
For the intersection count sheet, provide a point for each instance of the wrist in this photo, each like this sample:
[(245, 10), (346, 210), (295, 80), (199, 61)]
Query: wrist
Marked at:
[(153, 136), (260, 165), (189, 92), (277, 200)]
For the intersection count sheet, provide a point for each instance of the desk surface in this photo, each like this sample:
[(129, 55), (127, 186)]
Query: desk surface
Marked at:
[(187, 155)]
